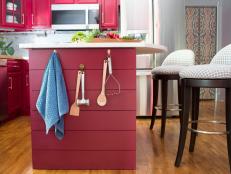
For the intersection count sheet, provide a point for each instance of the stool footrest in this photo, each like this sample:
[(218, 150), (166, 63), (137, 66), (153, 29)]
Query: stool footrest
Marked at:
[(208, 132), (159, 107)]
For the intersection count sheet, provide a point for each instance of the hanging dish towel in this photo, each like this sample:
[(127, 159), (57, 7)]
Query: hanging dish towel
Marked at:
[(52, 102)]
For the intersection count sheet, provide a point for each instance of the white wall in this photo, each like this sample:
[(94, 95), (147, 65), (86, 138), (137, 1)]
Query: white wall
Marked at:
[(169, 25), (169, 30), (35, 37), (136, 17), (226, 22)]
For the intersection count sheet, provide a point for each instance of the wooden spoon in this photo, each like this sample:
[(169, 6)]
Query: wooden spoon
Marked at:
[(74, 107), (102, 100)]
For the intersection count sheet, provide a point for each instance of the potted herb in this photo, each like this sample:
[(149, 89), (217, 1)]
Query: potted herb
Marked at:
[(5, 47)]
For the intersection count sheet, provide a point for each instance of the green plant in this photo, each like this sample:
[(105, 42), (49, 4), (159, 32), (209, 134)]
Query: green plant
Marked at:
[(78, 36), (85, 36), (6, 48)]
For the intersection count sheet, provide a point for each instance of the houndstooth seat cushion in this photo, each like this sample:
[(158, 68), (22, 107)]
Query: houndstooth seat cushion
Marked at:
[(184, 57), (167, 70), (175, 62), (219, 68), (223, 56), (210, 71)]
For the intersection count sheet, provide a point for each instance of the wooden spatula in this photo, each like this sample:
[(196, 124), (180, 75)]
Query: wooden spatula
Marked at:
[(102, 100), (74, 107)]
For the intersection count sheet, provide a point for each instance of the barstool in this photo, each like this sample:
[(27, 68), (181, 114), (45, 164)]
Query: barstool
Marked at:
[(217, 74), (169, 70)]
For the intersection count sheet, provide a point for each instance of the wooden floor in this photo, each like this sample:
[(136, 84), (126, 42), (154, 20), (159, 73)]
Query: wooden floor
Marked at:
[(154, 155)]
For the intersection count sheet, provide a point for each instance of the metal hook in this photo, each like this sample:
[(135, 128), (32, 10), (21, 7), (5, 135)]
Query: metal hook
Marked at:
[(108, 53), (81, 67), (55, 51)]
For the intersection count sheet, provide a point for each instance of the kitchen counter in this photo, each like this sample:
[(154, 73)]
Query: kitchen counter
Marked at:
[(101, 138), (10, 57), (141, 47)]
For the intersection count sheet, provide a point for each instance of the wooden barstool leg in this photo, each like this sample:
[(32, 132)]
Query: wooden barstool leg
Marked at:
[(195, 113), (180, 99), (184, 125), (228, 121), (164, 94), (155, 99)]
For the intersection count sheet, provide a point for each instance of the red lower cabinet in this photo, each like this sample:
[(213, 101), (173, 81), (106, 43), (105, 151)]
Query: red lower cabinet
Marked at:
[(3, 89), (14, 94), (25, 88), (101, 138), (14, 87)]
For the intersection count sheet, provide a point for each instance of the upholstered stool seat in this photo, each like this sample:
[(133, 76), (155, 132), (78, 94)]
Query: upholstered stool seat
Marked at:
[(210, 71), (169, 70), (217, 74)]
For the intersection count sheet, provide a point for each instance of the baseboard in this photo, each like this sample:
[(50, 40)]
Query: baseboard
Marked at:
[(157, 117)]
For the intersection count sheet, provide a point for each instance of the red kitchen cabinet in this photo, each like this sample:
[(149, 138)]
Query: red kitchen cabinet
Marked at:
[(28, 14), (12, 14), (41, 14), (11, 89), (14, 94), (109, 144), (109, 14), (63, 1), (86, 1), (74, 1), (25, 88), (14, 87), (3, 89)]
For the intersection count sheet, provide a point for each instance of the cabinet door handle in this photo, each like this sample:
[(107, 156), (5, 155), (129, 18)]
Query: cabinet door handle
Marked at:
[(11, 83), (23, 19), (32, 19), (27, 80), (102, 17)]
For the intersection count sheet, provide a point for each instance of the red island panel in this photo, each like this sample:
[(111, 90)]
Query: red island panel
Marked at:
[(101, 137), (106, 120)]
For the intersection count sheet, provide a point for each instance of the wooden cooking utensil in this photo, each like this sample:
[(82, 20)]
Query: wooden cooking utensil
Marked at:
[(102, 100), (74, 111)]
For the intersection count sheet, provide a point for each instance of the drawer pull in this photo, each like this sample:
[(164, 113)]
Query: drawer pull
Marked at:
[(11, 83), (27, 80)]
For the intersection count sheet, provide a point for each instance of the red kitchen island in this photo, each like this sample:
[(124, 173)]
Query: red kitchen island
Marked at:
[(101, 137)]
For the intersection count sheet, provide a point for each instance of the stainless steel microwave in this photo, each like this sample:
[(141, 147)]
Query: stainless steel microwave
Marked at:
[(75, 16)]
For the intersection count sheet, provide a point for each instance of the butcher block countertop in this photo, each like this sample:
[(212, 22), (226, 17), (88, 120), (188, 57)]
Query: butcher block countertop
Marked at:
[(10, 57), (141, 47)]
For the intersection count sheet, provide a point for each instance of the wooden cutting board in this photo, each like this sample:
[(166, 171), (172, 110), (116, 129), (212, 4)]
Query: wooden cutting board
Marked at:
[(113, 40)]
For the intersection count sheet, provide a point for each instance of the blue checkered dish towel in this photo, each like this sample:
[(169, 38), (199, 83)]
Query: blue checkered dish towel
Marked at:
[(52, 102)]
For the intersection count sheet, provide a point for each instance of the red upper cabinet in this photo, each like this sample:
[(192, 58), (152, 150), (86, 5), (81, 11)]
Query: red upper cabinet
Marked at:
[(28, 12), (63, 1), (74, 1), (109, 14), (41, 14), (86, 1), (12, 14)]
